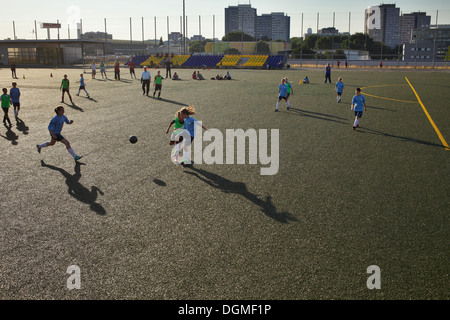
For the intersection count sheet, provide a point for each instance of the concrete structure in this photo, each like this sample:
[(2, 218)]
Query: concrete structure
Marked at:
[(410, 21), (273, 26), (382, 23)]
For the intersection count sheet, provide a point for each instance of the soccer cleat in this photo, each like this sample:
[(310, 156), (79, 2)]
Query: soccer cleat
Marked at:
[(276, 110), (354, 127), (78, 158), (288, 108), (38, 149)]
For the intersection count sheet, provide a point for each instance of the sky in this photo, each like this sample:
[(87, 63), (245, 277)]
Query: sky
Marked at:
[(349, 16)]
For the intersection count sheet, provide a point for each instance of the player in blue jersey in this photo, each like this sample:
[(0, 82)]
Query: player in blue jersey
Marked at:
[(82, 86), (339, 89), (55, 128), (189, 126), (282, 94), (14, 92), (358, 106)]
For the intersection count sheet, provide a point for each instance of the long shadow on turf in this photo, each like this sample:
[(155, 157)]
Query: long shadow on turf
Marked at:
[(169, 101), (228, 186), (21, 126), (74, 106), (407, 139), (11, 136), (77, 190), (318, 115)]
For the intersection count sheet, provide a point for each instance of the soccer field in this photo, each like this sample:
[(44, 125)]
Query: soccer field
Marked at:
[(140, 227)]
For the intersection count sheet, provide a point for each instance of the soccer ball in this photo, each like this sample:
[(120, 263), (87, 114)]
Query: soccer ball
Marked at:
[(133, 139)]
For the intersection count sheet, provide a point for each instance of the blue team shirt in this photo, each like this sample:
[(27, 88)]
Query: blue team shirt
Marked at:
[(328, 70), (56, 124), (283, 90), (189, 125), (82, 82), (339, 86), (15, 95), (358, 103)]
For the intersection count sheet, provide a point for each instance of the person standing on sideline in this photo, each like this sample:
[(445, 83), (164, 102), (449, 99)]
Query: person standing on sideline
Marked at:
[(13, 71), (328, 73), (131, 66), (65, 84), (168, 68), (346, 64), (94, 71), (381, 63), (6, 102), (55, 128), (117, 71), (282, 94), (145, 80), (358, 106), (14, 92), (82, 86), (103, 70), (338, 63), (158, 85), (339, 89)]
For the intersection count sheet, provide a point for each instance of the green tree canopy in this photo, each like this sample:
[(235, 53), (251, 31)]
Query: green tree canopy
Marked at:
[(237, 36), (262, 47)]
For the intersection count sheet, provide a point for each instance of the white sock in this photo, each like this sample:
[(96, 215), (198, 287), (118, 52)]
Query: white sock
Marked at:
[(186, 157), (45, 144), (16, 113), (72, 152), (287, 103), (356, 123), (278, 104)]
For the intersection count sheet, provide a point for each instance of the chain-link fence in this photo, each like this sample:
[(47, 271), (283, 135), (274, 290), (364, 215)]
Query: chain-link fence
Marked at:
[(355, 38)]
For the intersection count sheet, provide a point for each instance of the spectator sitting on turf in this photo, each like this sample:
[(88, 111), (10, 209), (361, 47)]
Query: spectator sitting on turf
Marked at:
[(200, 76), (175, 76), (219, 77), (306, 79), (227, 76), (194, 75)]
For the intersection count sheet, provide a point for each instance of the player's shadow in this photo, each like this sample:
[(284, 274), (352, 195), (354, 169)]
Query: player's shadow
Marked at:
[(407, 139), (77, 190), (74, 106), (318, 115), (11, 136), (89, 98), (21, 126), (380, 108), (170, 101), (240, 188)]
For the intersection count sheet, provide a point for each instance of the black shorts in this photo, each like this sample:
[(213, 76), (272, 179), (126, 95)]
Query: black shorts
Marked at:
[(358, 114), (280, 97), (65, 90), (5, 110), (59, 137), (16, 104), (82, 87), (158, 87)]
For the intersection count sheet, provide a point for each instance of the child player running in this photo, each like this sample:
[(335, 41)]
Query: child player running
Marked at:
[(158, 84), (55, 128), (189, 125), (178, 124), (290, 91), (6, 102), (14, 92), (339, 89), (82, 86), (282, 94), (358, 106), (65, 84)]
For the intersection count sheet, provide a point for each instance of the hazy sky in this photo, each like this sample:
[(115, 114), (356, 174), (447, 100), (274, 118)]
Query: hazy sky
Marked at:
[(118, 14)]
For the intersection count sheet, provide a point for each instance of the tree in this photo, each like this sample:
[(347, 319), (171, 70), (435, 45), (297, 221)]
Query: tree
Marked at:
[(237, 36), (262, 47), (295, 42), (232, 51), (161, 42)]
